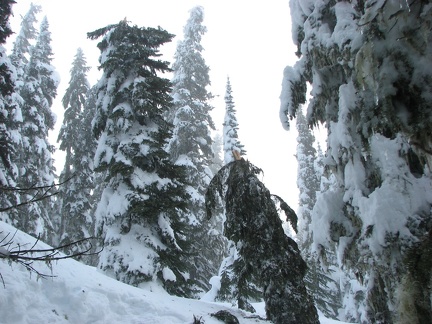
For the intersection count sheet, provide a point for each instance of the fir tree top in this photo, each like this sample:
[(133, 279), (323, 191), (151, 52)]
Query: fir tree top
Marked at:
[(22, 45), (5, 31), (190, 70), (231, 140), (135, 68)]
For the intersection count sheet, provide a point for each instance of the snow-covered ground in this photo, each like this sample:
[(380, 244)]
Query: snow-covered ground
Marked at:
[(80, 294)]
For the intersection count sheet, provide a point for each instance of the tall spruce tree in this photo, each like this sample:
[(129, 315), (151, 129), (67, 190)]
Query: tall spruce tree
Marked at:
[(13, 104), (318, 278), (74, 198), (95, 180), (191, 145), (7, 79), (238, 283), (366, 63), (36, 169), (266, 253), (139, 211), (23, 43), (231, 140), (10, 120)]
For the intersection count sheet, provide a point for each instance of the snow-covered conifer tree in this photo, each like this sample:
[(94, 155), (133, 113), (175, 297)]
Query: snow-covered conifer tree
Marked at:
[(307, 180), (97, 178), (74, 198), (231, 140), (191, 145), (23, 42), (139, 211), (366, 62), (318, 281), (235, 287), (36, 167), (7, 79), (10, 118), (265, 252)]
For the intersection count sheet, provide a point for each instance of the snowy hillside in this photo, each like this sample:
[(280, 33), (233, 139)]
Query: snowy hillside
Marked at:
[(81, 294)]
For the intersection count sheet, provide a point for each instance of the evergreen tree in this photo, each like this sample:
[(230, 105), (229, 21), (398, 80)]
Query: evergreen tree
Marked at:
[(191, 145), (253, 224), (366, 64), (319, 283), (231, 141), (7, 72), (6, 90), (74, 196), (307, 180), (97, 178), (10, 118), (23, 43), (35, 162), (234, 287), (139, 211), (238, 283)]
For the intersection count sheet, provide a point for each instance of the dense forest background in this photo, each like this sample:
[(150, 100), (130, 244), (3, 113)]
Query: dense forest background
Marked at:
[(172, 204), (223, 54)]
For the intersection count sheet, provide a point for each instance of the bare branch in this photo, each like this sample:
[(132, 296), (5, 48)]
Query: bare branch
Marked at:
[(34, 187), (32, 200), (26, 257), (1, 277), (37, 196)]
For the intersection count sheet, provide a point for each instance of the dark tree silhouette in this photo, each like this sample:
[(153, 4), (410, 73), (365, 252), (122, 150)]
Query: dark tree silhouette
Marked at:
[(253, 224)]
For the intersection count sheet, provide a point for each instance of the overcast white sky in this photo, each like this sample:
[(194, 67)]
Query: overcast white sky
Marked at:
[(249, 41)]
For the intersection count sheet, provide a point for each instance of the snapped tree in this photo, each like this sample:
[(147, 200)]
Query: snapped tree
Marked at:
[(267, 254), (237, 283)]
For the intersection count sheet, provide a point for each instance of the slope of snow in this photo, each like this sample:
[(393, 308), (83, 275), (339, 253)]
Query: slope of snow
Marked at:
[(80, 294)]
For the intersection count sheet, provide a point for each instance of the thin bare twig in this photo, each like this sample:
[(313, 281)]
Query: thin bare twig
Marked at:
[(34, 187), (37, 196), (26, 257)]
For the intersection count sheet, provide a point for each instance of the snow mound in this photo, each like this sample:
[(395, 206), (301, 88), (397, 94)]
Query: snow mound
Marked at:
[(80, 294)]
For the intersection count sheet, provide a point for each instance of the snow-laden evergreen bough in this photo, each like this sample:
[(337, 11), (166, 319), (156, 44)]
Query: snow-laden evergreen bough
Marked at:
[(369, 64), (267, 254), (139, 211)]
